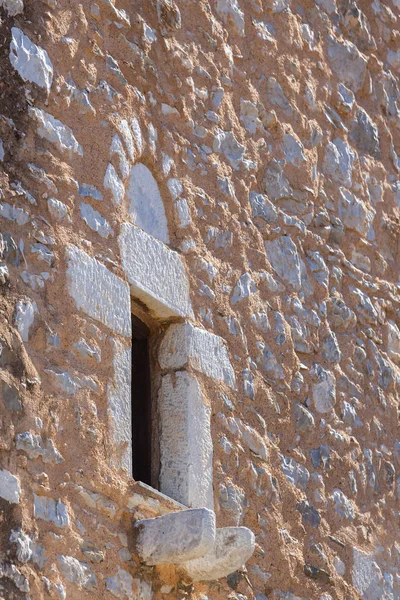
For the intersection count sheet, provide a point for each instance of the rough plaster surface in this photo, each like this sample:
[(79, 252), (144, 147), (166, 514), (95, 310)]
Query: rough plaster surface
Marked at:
[(271, 129)]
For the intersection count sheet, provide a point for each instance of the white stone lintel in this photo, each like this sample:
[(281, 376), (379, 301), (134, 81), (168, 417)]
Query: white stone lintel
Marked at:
[(156, 273)]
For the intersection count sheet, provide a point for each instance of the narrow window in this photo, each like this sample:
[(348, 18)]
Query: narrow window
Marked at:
[(141, 403)]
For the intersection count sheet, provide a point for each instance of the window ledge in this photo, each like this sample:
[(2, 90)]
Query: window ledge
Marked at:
[(145, 499)]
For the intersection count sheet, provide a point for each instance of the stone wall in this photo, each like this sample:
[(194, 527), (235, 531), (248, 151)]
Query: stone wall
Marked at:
[(231, 169)]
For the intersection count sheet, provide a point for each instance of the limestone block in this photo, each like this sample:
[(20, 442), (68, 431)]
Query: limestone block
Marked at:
[(233, 547), (205, 352), (146, 205), (185, 441), (32, 62), (98, 292), (176, 537), (52, 130), (157, 274), (119, 402), (9, 487)]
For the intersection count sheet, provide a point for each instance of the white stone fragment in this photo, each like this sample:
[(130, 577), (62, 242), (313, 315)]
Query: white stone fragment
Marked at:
[(226, 143), (126, 134), (347, 62), (293, 149), (328, 5), (118, 149), (32, 62), (9, 487), (354, 212), (157, 274), (185, 442), (76, 571), (393, 59), (54, 131), (13, 7), (52, 511), (98, 292), (323, 389), (176, 537), (25, 316), (284, 258), (231, 9), (367, 576), (182, 212), (137, 134), (146, 205), (121, 584), (119, 401), (338, 162), (393, 341), (233, 547), (206, 352), (34, 446), (1, 150), (57, 209), (95, 220), (14, 213), (114, 184)]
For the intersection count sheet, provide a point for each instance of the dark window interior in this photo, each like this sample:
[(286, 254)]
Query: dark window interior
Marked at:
[(141, 402)]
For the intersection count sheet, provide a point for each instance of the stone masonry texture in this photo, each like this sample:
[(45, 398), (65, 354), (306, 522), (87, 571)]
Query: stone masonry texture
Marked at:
[(232, 168)]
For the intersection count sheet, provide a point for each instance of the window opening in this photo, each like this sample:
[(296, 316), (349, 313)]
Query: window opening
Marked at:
[(141, 403)]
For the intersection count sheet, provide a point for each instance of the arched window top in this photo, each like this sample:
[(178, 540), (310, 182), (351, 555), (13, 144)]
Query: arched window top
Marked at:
[(145, 203)]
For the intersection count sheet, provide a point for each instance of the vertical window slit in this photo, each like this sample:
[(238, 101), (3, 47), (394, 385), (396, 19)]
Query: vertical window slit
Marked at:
[(141, 403)]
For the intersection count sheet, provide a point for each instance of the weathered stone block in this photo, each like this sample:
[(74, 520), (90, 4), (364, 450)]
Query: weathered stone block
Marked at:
[(205, 352), (157, 274), (119, 402), (177, 537), (185, 441), (32, 62), (52, 511), (98, 292), (9, 487), (233, 547)]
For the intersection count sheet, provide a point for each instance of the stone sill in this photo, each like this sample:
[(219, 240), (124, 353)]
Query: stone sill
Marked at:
[(145, 499)]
